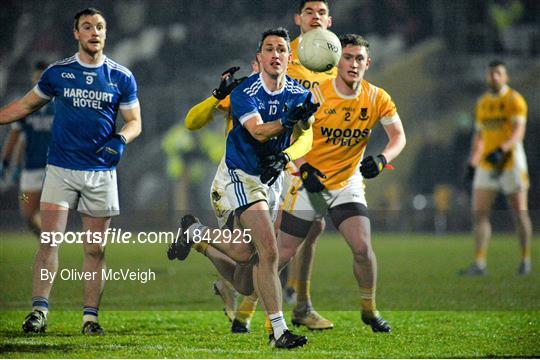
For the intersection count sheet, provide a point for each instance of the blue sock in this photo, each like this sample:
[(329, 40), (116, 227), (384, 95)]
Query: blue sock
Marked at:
[(90, 313), (40, 303)]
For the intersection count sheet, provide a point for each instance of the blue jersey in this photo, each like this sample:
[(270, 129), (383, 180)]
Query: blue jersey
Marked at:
[(247, 99), (37, 132), (87, 98)]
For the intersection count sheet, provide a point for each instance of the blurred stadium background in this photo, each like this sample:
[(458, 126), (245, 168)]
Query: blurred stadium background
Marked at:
[(431, 56)]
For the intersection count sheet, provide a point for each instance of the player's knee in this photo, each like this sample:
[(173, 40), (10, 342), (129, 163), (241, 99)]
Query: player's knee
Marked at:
[(268, 254), (242, 255), (362, 252), (95, 252), (47, 247), (522, 217), (286, 253), (480, 216)]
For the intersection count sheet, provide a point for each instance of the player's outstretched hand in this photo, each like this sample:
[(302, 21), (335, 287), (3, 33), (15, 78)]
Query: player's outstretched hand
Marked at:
[(372, 166), (272, 166), (310, 178), (228, 83), (112, 150), (301, 113), (496, 157)]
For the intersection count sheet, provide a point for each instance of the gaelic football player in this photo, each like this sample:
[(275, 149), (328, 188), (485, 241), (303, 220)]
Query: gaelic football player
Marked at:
[(498, 164)]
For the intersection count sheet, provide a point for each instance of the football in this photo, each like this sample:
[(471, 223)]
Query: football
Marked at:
[(319, 50)]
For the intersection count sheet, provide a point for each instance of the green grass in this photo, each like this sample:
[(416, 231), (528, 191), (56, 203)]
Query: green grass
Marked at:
[(434, 312)]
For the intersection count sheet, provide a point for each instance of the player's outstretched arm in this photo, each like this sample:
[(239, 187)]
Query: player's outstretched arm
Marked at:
[(261, 131), (133, 123), (201, 114), (21, 108)]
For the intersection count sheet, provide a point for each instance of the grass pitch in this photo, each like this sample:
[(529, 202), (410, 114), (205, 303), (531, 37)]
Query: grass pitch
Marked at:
[(434, 312)]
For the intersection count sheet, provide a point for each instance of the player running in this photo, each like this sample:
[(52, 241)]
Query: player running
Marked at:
[(330, 180), (265, 109), (88, 90)]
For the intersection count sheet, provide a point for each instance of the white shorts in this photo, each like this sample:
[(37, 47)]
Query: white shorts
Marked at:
[(313, 206), (509, 181), (223, 209), (32, 180), (233, 189), (288, 179), (94, 193)]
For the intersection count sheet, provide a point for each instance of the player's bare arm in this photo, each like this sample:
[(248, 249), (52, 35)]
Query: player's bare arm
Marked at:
[(396, 140), (133, 123), (477, 146), (21, 108), (261, 131)]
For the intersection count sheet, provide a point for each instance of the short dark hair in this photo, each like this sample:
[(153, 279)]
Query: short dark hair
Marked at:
[(303, 3), (85, 12), (495, 63), (354, 40), (40, 65), (280, 31)]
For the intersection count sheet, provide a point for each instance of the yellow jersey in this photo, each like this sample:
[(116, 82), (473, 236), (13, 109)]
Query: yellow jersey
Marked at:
[(307, 78), (342, 127), (495, 117)]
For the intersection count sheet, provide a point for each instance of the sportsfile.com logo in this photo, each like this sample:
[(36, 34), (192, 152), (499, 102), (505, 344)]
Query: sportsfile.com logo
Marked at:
[(119, 236)]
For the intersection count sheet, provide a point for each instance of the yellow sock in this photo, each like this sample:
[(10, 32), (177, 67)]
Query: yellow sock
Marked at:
[(480, 257), (526, 254), (303, 289), (367, 301), (201, 247), (246, 309), (268, 325), (291, 283)]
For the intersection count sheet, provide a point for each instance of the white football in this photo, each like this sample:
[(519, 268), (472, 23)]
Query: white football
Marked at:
[(319, 50)]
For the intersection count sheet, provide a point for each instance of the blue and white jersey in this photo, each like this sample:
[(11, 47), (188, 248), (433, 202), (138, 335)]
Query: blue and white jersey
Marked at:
[(87, 98), (247, 99), (37, 133)]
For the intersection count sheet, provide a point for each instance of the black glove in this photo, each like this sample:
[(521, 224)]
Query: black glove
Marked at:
[(310, 178), (272, 166), (301, 112), (469, 176), (228, 83), (496, 157), (372, 166)]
